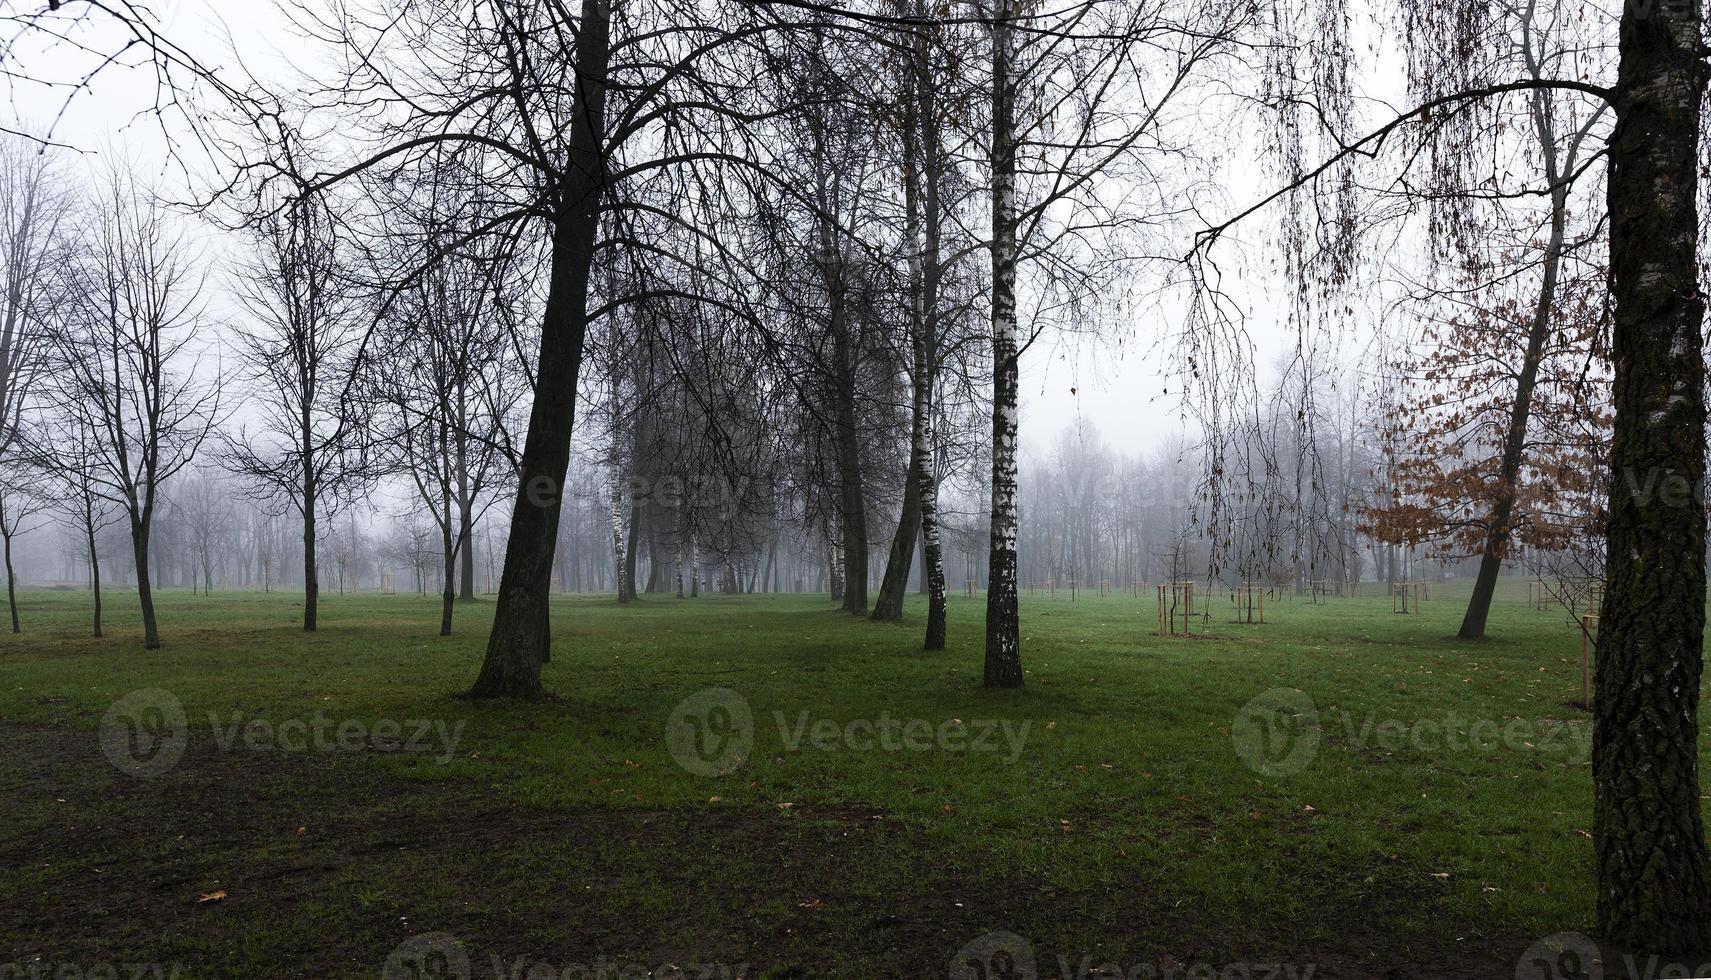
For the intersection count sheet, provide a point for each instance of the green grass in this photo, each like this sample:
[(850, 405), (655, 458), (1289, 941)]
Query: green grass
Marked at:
[(1127, 783)]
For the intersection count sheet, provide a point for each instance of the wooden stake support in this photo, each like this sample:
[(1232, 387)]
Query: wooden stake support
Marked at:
[(1400, 593), (1175, 609), (1248, 599), (1588, 623)]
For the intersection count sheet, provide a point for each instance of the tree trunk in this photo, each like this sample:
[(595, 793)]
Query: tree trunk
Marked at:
[(448, 552), (835, 571), (852, 497), (653, 560), (465, 521), (311, 574), (890, 604), (694, 568), (932, 561), (11, 584), (1003, 666), (1654, 878), (629, 586), (617, 520), (94, 573), (1515, 437), (518, 645), (895, 584), (145, 594)]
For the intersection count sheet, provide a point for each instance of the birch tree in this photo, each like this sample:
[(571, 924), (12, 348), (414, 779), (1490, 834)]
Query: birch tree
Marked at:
[(1074, 95)]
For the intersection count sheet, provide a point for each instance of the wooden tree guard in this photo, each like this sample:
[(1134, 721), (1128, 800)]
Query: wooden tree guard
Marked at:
[(1399, 593), (1175, 609), (1588, 623), (1319, 587), (1538, 596), (971, 588), (386, 583), (1248, 597)]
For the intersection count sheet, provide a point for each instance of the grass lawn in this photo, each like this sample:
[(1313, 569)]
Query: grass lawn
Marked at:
[(1421, 804)]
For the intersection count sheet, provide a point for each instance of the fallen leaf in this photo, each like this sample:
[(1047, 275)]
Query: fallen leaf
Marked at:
[(212, 897)]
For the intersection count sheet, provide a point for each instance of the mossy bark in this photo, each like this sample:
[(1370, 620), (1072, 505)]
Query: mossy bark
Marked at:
[(1654, 879)]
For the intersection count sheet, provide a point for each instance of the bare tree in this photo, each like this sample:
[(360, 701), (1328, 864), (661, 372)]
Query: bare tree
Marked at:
[(201, 500), (125, 361), (443, 371), (65, 447), (307, 448)]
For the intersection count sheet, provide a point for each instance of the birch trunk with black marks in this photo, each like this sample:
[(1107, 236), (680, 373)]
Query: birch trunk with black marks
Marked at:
[(835, 570), (1654, 877), (519, 643), (681, 564), (1003, 667), (617, 522), (932, 561), (930, 146), (630, 549)]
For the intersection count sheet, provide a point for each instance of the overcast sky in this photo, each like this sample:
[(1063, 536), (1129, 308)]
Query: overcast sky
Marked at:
[(1118, 380)]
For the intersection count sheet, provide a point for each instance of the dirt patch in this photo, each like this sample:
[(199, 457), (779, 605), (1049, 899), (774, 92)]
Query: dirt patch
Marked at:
[(242, 864)]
